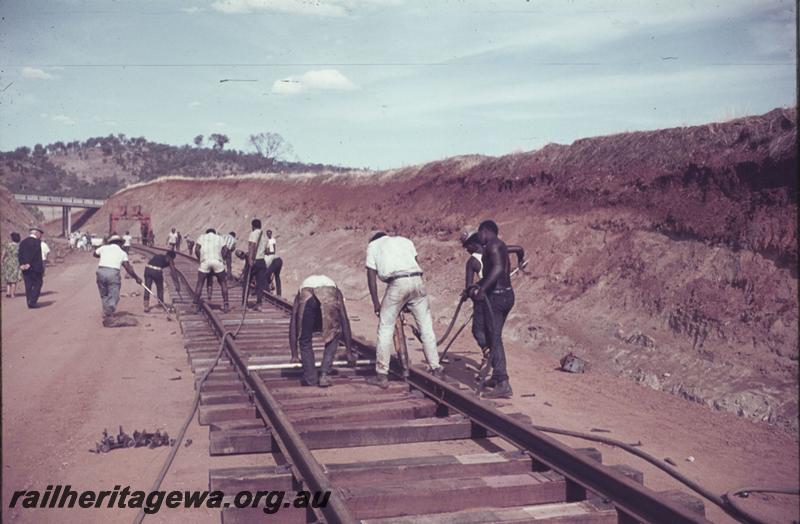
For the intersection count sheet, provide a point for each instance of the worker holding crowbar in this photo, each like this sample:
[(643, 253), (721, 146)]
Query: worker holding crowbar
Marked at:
[(154, 274), (393, 260)]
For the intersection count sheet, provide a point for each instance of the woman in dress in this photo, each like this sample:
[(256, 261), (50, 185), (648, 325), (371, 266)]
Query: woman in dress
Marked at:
[(10, 265)]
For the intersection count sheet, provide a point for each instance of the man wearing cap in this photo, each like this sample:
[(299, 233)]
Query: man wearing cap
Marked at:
[(32, 266), (112, 259), (319, 306), (393, 259), (211, 250)]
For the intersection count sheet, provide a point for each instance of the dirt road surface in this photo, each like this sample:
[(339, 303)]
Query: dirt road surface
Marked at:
[(66, 378)]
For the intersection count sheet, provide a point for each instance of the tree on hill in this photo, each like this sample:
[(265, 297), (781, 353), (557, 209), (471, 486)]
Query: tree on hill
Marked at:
[(219, 140), (271, 145), (198, 140)]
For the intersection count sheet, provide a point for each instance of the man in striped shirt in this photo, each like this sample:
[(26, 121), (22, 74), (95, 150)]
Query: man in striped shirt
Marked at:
[(230, 243)]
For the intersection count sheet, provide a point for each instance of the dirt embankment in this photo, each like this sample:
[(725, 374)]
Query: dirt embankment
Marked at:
[(13, 217), (669, 256)]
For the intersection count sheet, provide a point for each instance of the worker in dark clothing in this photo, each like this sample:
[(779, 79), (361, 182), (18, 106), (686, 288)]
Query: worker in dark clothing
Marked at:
[(154, 274), (474, 271), (274, 266), (497, 296), (319, 306), (32, 266)]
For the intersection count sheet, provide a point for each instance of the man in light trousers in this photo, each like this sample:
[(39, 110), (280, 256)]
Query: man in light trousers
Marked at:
[(393, 259), (112, 259)]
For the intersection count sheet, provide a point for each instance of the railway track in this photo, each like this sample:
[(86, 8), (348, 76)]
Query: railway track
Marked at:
[(252, 402)]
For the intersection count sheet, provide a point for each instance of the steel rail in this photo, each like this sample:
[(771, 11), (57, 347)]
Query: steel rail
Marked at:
[(630, 498), (306, 468)]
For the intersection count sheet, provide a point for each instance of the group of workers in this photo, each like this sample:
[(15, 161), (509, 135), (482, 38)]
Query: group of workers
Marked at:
[(319, 304)]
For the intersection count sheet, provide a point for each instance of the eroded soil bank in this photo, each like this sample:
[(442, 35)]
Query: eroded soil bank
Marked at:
[(668, 256)]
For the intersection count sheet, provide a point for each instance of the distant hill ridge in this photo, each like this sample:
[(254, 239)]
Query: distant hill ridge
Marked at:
[(100, 166)]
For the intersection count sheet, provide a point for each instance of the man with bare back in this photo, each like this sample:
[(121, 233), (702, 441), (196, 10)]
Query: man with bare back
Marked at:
[(493, 292)]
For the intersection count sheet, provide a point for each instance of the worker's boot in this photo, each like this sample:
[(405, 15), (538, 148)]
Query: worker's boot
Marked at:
[(438, 372), (324, 381), (381, 380), (146, 307), (501, 390)]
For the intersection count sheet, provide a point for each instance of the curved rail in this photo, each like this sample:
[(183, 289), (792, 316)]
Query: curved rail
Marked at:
[(305, 467)]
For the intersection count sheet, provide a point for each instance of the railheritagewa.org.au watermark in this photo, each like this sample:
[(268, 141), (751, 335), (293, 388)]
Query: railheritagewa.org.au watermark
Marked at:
[(59, 496)]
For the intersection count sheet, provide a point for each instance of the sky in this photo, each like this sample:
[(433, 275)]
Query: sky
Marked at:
[(387, 83)]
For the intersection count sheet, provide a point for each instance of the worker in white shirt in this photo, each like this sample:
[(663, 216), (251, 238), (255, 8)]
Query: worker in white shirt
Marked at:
[(393, 259), (112, 259), (230, 243), (257, 267), (211, 250), (319, 306), (127, 240), (45, 252), (172, 239), (272, 244), (273, 263)]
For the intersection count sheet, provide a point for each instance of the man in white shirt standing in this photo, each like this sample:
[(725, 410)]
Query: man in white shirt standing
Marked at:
[(211, 250), (393, 259), (257, 244), (112, 258), (272, 244), (127, 240), (172, 239), (45, 252)]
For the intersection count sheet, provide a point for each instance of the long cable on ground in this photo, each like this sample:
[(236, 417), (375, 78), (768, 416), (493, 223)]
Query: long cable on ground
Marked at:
[(744, 492), (725, 503), (196, 402)]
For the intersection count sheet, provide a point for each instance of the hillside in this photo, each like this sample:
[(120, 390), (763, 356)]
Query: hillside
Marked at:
[(99, 166), (13, 216), (669, 256)]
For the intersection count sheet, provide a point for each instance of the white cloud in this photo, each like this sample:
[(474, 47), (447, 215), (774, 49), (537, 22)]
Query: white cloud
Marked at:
[(317, 80), (193, 9), (63, 119), (194, 103), (34, 73), (303, 7)]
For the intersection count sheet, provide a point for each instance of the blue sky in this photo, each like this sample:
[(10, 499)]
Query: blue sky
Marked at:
[(387, 83)]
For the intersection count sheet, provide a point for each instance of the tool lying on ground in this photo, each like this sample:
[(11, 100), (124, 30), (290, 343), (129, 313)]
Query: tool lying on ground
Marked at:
[(168, 309), (139, 439), (120, 319), (572, 364)]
